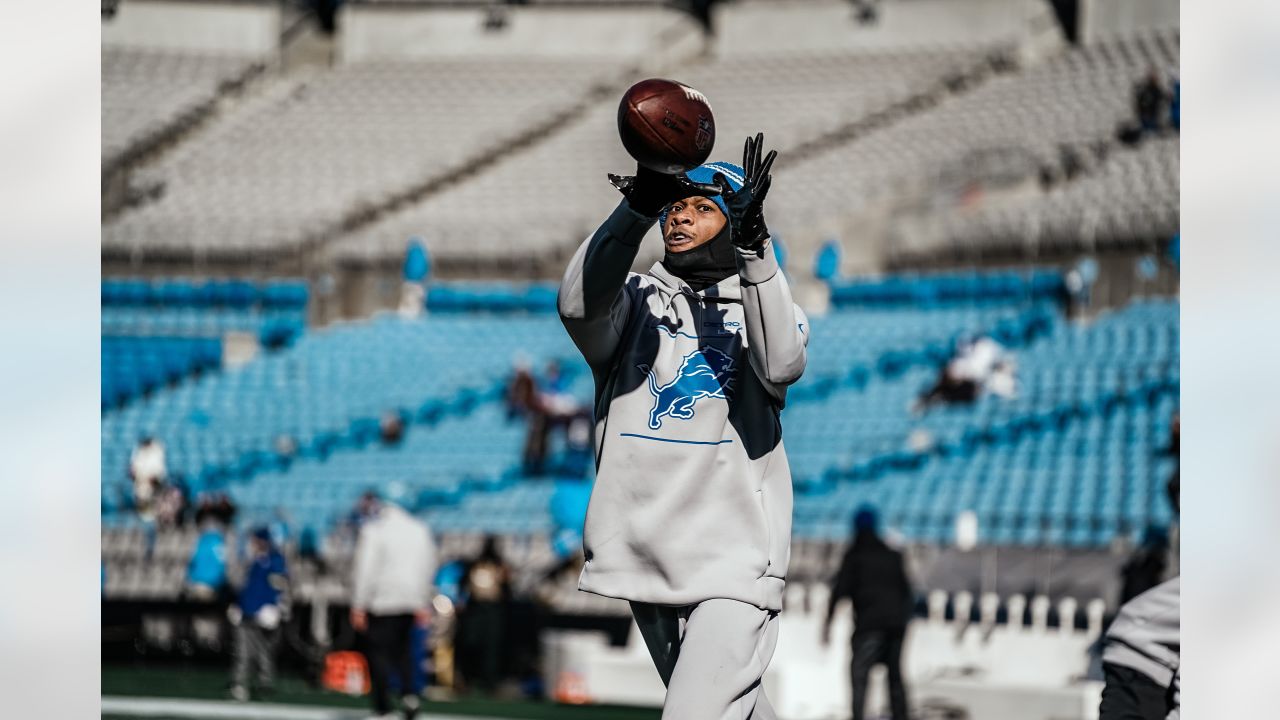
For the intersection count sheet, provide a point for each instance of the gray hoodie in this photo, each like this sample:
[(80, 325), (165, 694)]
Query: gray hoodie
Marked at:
[(692, 499)]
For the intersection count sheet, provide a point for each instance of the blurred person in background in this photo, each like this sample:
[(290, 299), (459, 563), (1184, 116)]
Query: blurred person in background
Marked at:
[(148, 472), (1142, 657), (524, 401), (207, 571), (444, 623), (948, 389), (978, 364), (522, 389), (1152, 99), (486, 585), (579, 448), (413, 291), (873, 577), (395, 563), (391, 427), (171, 505), (553, 386), (259, 610), (309, 549), (1003, 381), (216, 506)]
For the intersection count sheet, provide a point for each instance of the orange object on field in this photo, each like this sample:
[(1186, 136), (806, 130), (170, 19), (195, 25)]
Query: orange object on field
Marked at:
[(346, 672), (571, 689)]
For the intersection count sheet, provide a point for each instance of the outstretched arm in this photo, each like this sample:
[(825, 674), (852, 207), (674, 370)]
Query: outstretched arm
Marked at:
[(594, 305), (777, 330)]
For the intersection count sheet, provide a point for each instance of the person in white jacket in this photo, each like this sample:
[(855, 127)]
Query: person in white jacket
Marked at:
[(395, 563)]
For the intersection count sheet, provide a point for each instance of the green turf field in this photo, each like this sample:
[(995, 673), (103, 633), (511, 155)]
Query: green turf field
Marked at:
[(206, 684)]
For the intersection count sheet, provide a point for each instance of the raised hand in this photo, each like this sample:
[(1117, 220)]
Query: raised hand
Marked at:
[(746, 206)]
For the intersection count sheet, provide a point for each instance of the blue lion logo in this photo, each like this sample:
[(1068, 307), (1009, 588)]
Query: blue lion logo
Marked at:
[(705, 373)]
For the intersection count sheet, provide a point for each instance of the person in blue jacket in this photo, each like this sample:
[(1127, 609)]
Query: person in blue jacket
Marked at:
[(207, 571), (257, 614)]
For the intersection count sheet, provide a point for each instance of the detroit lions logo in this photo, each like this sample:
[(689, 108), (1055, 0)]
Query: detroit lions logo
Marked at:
[(705, 373)]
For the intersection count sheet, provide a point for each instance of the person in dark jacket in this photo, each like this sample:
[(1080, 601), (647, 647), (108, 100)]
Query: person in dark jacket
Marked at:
[(1151, 100), (486, 582), (873, 577), (1146, 567)]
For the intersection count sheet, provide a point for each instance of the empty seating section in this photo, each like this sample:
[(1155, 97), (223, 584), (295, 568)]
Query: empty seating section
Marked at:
[(329, 386), (449, 471), (1132, 196), (546, 198), (534, 201), (1073, 460), (275, 311), (797, 98), (1079, 482), (270, 326), (937, 289), (185, 292), (493, 297), (1080, 487), (158, 332), (1077, 98), (292, 164), (132, 366), (146, 93)]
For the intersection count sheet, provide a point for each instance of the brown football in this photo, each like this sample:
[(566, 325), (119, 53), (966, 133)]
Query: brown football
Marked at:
[(666, 126)]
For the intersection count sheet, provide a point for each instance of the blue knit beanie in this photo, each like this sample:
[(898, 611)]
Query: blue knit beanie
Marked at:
[(704, 174)]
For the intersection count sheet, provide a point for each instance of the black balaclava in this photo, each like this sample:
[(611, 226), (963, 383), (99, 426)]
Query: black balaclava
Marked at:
[(705, 265)]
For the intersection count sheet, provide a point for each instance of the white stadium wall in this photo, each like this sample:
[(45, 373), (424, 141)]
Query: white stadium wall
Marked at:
[(1100, 19), (245, 28), (812, 26), (387, 32)]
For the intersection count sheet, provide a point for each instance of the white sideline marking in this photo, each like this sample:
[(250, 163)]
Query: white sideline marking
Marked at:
[(205, 709)]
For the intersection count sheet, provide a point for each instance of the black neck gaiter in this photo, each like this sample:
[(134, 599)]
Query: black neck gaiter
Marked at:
[(706, 264)]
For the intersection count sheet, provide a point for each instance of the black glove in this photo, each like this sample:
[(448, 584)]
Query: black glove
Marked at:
[(746, 206), (649, 191)]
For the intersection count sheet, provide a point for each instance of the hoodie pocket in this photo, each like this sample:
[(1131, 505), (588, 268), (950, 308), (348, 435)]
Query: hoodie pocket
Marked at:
[(768, 537), (775, 502)]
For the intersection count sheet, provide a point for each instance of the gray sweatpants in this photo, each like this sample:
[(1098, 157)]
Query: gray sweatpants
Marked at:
[(711, 657), (255, 649)]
